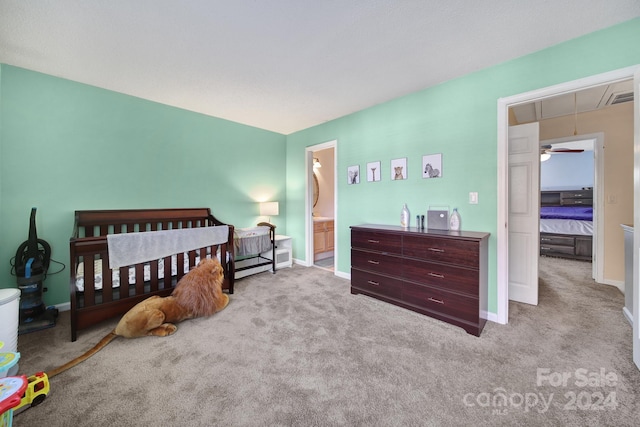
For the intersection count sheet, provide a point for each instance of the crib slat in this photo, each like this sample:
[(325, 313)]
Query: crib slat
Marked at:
[(124, 282), (166, 282), (89, 282), (153, 275), (107, 280), (139, 279)]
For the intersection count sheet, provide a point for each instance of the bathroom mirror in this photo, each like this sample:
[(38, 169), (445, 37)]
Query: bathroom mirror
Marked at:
[(316, 190)]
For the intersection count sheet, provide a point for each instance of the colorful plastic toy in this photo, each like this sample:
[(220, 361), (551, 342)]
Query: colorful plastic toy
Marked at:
[(36, 391), (11, 388)]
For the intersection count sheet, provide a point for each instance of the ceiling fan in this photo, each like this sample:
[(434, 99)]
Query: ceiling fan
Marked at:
[(547, 150)]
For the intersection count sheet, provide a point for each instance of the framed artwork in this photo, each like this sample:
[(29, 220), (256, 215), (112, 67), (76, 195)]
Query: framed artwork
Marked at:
[(399, 169), (432, 166), (353, 174), (373, 171)]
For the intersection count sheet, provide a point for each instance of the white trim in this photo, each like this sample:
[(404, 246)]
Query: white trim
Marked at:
[(503, 180), (636, 217), (628, 315), (66, 306), (343, 275)]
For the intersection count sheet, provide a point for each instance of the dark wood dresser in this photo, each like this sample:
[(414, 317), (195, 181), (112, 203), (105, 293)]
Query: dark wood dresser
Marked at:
[(442, 274)]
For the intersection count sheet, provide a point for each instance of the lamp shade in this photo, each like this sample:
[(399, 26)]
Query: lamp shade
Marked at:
[(268, 208)]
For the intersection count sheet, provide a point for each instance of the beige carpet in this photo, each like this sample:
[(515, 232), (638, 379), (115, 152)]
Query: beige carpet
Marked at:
[(297, 349)]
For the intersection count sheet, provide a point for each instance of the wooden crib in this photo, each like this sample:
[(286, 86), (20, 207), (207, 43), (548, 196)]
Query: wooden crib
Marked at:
[(96, 297)]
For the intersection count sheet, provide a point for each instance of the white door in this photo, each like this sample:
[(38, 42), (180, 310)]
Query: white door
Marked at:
[(524, 212), (636, 218)]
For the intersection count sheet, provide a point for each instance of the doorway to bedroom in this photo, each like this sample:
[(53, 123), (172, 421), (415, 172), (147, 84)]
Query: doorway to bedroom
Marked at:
[(506, 190)]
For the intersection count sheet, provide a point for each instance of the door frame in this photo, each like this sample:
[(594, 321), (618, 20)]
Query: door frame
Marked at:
[(502, 314), (308, 211)]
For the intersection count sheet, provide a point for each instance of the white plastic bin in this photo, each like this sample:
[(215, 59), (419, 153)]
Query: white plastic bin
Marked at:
[(9, 318)]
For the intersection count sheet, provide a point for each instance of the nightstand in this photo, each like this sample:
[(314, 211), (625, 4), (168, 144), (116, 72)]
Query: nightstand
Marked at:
[(283, 251)]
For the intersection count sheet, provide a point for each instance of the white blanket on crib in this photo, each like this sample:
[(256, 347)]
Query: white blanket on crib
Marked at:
[(133, 248)]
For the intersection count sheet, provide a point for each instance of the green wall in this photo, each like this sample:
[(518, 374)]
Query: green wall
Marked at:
[(457, 118), (66, 146)]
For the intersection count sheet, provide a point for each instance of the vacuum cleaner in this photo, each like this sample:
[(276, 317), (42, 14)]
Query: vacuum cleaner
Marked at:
[(31, 264)]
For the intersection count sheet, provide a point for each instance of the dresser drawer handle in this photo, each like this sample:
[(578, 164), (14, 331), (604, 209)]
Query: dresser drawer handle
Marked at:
[(544, 248), (545, 239), (439, 276), (436, 249), (439, 301), (373, 241), (373, 262), (371, 282)]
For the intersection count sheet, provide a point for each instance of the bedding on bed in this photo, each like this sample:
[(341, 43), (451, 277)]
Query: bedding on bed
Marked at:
[(584, 213), (566, 226)]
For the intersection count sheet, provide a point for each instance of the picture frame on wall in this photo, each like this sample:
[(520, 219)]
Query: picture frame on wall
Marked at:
[(432, 166), (353, 174), (399, 169), (373, 172)]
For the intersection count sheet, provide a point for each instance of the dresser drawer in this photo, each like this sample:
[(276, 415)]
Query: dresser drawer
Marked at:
[(547, 249), (576, 202), (376, 283), (376, 262), (448, 303), (447, 277), (453, 251), (550, 239), (382, 242)]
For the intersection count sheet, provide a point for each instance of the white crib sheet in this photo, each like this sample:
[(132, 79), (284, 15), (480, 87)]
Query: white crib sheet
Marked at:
[(115, 273)]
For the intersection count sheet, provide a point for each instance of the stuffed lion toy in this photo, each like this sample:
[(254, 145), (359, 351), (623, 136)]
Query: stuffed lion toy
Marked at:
[(197, 294)]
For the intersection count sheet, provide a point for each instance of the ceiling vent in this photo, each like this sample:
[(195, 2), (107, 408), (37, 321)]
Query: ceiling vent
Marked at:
[(619, 98)]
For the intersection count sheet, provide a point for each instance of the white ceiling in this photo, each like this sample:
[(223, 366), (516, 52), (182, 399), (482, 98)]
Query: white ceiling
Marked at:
[(285, 65)]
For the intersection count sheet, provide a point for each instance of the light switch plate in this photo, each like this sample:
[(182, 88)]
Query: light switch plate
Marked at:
[(473, 198)]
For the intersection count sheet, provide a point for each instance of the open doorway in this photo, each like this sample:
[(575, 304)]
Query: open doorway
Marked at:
[(504, 190), (321, 206)]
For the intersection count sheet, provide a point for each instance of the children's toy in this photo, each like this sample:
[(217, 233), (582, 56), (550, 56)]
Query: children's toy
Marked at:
[(7, 361), (36, 390), (197, 294), (11, 389)]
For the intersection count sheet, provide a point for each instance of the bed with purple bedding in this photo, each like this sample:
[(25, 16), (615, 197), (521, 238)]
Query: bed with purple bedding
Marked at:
[(566, 225)]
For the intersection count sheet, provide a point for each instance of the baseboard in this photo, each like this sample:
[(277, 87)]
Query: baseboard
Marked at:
[(343, 275), (63, 307), (618, 284), (491, 317), (628, 315), (300, 262)]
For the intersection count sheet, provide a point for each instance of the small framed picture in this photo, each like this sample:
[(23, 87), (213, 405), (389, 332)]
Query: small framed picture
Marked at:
[(432, 166), (373, 171), (399, 169), (353, 174)]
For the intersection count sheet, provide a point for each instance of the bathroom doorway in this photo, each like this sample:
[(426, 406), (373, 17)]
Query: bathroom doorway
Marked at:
[(321, 214)]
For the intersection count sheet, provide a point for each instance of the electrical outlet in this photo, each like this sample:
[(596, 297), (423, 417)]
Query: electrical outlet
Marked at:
[(473, 198)]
